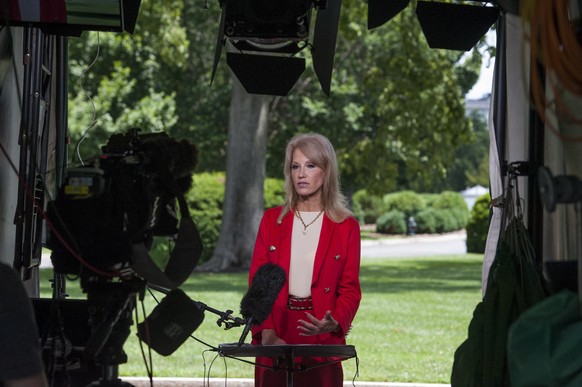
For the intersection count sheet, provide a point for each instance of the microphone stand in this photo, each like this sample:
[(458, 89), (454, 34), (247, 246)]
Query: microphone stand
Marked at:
[(248, 325), (226, 317)]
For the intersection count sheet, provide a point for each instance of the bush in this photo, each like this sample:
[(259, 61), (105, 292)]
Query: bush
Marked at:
[(426, 221), (392, 222), (274, 193), (478, 225), (432, 220), (408, 202), (446, 220), (205, 200), (366, 207), (429, 199), (449, 200)]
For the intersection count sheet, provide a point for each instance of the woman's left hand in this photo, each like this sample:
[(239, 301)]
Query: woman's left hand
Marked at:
[(315, 326)]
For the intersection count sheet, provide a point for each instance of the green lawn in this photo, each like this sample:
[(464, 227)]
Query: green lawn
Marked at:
[(414, 314)]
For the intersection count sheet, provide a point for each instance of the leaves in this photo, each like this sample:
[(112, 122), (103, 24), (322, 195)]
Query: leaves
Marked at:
[(395, 114)]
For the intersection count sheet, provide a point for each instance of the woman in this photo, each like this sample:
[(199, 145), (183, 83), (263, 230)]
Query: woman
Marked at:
[(316, 240)]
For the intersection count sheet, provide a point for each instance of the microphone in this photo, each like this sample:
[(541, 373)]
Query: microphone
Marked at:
[(258, 302)]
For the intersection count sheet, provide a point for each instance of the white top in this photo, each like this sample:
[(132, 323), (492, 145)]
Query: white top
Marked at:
[(303, 247)]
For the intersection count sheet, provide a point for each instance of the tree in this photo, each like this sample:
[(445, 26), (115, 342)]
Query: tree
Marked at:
[(245, 175), (395, 114), (471, 164), (157, 79), (396, 110)]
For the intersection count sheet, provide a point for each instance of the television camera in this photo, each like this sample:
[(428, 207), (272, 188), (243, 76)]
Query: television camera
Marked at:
[(102, 226), (127, 197)]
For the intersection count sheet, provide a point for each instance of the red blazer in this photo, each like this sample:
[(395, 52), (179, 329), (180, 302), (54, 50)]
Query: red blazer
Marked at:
[(335, 285)]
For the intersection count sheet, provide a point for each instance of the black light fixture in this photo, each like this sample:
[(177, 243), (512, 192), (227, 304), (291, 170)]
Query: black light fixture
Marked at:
[(263, 38), (454, 26), (70, 17), (381, 11)]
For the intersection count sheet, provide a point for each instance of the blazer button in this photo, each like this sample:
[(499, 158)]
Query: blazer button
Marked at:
[(326, 290), (337, 257), (272, 248)]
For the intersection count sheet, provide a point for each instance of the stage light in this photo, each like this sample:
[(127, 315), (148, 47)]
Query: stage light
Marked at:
[(381, 11), (454, 26), (263, 38)]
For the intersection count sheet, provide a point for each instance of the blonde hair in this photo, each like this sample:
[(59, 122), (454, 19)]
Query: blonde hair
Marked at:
[(319, 150)]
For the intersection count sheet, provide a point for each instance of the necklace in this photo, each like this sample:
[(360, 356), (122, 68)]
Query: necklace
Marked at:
[(298, 214)]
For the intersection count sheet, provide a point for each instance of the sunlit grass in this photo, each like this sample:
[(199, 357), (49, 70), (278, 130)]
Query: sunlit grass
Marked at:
[(414, 314)]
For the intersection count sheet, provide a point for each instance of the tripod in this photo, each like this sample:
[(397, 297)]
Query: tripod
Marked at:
[(111, 305)]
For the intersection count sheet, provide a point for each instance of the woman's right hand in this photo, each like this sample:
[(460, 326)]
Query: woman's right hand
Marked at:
[(269, 337)]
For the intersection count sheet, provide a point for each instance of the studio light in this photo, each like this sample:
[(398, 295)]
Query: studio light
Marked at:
[(451, 26), (263, 38), (454, 26), (381, 11)]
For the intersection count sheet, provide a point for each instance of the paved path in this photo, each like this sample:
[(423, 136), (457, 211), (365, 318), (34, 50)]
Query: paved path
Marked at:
[(394, 247), (416, 246)]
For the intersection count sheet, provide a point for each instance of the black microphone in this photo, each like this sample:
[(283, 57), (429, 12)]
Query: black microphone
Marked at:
[(258, 302)]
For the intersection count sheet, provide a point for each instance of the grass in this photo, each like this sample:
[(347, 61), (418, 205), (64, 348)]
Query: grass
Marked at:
[(414, 314)]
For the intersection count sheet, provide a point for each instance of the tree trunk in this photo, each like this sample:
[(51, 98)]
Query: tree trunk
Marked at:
[(245, 176)]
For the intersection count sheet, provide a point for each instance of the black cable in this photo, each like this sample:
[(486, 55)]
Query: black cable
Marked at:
[(148, 365)]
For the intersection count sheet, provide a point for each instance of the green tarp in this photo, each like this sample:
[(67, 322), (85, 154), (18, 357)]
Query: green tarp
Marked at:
[(545, 344), (515, 283)]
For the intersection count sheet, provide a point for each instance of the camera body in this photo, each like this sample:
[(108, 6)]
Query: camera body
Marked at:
[(127, 196)]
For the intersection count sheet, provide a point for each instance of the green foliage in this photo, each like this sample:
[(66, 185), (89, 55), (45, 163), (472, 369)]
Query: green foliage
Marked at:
[(408, 202), (446, 220), (429, 198), (205, 200), (478, 225), (367, 207), (274, 192), (433, 220), (426, 221), (471, 164), (396, 110), (392, 222), (395, 114), (445, 212), (155, 79), (454, 202)]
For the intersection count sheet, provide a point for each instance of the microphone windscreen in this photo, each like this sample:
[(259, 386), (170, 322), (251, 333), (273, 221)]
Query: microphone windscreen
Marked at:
[(171, 322), (265, 286)]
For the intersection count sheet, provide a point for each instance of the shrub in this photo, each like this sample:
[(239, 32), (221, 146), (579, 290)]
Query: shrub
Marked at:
[(392, 222), (478, 225), (205, 200), (274, 193), (426, 221), (449, 200), (366, 207), (429, 198), (446, 220), (408, 202)]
